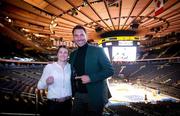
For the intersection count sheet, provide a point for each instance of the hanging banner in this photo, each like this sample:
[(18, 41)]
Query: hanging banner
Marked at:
[(159, 4)]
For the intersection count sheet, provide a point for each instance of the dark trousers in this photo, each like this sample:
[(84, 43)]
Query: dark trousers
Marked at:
[(59, 108), (81, 106)]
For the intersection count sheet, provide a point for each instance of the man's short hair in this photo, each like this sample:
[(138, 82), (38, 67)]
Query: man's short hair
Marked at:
[(78, 27)]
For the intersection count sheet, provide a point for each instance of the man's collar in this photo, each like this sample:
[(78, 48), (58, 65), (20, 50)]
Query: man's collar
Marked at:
[(84, 46)]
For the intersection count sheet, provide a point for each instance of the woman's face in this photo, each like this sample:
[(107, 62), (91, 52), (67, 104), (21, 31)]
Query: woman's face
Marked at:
[(62, 54)]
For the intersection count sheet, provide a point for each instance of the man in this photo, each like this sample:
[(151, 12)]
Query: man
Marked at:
[(90, 69)]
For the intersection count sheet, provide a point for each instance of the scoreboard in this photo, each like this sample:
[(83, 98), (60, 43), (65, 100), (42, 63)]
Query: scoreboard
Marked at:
[(120, 48)]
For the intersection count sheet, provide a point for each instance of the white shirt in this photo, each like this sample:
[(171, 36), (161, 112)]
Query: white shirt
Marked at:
[(62, 80)]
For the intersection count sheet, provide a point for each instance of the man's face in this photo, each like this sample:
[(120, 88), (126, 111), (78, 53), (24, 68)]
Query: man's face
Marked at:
[(80, 37)]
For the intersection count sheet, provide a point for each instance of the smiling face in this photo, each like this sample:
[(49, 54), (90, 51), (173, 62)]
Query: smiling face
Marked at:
[(80, 37), (62, 54)]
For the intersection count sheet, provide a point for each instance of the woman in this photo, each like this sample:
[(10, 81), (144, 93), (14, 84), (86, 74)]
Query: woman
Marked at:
[(56, 79)]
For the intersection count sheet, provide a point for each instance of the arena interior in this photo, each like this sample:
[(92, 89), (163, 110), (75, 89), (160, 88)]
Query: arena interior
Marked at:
[(141, 41)]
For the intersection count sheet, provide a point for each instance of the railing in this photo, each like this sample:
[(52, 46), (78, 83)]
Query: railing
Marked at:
[(147, 61), (24, 95)]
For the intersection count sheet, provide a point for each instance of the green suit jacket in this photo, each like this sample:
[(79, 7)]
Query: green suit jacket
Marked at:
[(99, 68)]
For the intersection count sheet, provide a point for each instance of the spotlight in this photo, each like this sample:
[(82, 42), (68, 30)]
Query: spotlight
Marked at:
[(98, 29), (134, 26), (112, 3), (74, 12), (53, 24), (84, 3)]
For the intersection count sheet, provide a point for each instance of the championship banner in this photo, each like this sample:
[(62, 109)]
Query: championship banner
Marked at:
[(159, 4)]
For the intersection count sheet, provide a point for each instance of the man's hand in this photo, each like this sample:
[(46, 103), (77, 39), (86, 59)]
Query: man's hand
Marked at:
[(50, 80), (84, 78)]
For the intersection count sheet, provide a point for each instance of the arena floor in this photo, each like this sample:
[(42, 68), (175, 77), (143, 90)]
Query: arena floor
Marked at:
[(125, 93)]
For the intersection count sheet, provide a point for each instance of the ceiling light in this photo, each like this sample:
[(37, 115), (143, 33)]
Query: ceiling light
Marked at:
[(112, 3), (53, 24), (98, 29), (74, 12), (84, 3), (134, 26), (8, 19)]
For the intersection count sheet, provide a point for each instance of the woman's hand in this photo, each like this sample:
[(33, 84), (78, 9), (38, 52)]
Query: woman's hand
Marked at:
[(50, 80)]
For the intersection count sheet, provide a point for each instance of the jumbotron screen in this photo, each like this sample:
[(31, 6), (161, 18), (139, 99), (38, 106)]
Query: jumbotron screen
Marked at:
[(106, 52), (124, 53)]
